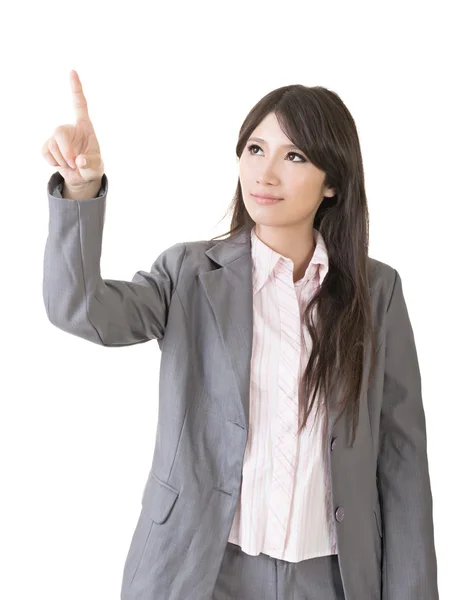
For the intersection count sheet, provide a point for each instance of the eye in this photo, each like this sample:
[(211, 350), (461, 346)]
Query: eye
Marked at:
[(251, 146)]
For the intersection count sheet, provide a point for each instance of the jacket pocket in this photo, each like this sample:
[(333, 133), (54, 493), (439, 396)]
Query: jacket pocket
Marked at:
[(158, 499)]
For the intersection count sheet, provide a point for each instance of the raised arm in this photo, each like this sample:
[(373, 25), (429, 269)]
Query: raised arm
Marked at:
[(77, 300)]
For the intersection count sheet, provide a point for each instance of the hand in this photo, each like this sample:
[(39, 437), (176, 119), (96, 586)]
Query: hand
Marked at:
[(70, 145)]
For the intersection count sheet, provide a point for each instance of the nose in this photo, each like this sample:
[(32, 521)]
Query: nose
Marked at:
[(267, 176)]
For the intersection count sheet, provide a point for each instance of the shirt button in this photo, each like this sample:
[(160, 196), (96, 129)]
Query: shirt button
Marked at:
[(339, 513)]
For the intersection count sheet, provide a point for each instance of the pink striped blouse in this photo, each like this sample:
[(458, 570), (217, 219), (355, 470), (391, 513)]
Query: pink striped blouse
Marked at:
[(283, 510)]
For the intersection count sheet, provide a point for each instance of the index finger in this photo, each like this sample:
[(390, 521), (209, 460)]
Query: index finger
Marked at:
[(79, 100)]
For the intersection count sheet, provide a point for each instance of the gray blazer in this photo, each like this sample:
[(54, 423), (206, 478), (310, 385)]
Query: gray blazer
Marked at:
[(196, 301)]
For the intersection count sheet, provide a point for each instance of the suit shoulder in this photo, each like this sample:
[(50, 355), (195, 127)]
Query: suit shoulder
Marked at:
[(194, 257), (195, 253), (380, 269), (191, 249), (382, 277)]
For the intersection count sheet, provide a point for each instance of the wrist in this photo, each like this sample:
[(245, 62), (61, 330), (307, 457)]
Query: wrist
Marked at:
[(81, 192)]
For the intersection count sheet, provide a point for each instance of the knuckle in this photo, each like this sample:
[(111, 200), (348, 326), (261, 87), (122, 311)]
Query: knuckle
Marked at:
[(45, 146)]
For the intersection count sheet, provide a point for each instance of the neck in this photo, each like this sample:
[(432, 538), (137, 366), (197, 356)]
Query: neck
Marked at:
[(297, 246)]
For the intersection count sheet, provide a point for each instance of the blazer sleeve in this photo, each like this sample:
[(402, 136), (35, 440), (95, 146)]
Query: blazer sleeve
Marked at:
[(78, 300), (409, 558)]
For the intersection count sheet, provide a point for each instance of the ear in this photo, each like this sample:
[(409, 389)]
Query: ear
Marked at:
[(329, 192)]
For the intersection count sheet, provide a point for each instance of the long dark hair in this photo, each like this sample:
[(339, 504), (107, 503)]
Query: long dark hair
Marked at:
[(318, 123)]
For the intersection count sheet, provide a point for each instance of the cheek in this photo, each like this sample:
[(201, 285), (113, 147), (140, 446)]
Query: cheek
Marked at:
[(244, 179), (307, 189), (299, 193)]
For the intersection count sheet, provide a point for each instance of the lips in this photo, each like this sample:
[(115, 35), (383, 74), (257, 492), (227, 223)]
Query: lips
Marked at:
[(266, 199), (267, 196)]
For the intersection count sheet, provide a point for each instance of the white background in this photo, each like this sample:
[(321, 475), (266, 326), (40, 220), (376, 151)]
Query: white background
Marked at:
[(168, 85)]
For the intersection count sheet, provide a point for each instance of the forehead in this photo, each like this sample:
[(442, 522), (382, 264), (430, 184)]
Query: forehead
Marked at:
[(269, 133), (266, 143)]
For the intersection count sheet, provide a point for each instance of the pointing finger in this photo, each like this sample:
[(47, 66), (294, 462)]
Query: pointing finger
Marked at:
[(79, 100)]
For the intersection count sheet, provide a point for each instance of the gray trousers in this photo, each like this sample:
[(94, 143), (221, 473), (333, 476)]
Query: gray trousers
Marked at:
[(262, 577)]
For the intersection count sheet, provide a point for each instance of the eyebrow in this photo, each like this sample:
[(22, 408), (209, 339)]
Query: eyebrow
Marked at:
[(256, 139)]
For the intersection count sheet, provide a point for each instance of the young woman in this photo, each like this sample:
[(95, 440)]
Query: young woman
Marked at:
[(290, 459)]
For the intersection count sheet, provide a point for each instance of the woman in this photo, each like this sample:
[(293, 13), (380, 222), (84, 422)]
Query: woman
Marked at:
[(290, 457)]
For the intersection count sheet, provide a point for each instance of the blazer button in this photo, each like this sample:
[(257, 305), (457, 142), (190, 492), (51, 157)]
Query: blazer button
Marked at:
[(334, 442), (339, 513)]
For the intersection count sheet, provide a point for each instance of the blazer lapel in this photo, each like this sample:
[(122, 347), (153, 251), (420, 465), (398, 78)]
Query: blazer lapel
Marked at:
[(230, 293), (229, 289)]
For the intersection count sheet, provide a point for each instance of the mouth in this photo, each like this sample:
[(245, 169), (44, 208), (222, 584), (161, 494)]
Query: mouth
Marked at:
[(266, 198)]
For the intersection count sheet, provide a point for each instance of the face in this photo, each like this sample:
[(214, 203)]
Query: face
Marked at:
[(274, 166)]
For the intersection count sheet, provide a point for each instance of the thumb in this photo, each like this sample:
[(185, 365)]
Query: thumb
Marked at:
[(81, 161), (89, 161)]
